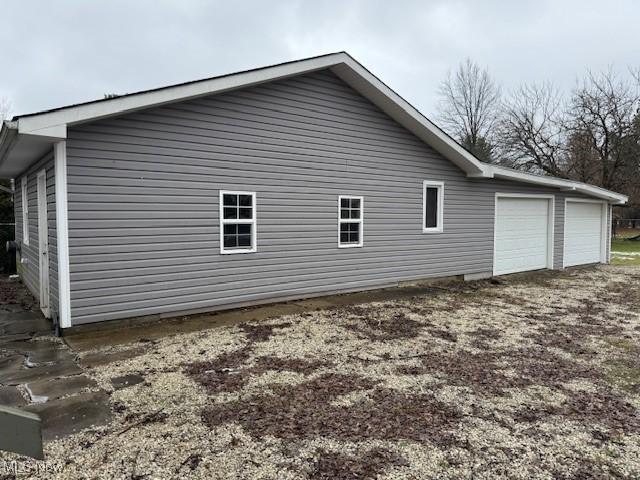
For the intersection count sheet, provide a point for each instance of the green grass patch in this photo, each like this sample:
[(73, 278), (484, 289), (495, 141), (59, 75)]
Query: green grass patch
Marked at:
[(622, 343), (623, 376), (625, 252)]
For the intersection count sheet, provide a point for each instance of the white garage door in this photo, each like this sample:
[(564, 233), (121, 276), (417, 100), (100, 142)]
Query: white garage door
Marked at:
[(521, 234), (583, 233)]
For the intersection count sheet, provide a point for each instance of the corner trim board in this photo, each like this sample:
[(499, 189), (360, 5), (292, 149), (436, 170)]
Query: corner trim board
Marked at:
[(62, 230)]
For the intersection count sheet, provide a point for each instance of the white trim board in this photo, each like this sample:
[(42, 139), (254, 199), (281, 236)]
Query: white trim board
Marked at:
[(62, 230), (24, 200), (603, 228), (43, 242), (550, 227)]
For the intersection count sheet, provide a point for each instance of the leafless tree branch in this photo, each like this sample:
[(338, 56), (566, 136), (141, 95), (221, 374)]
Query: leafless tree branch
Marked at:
[(469, 107), (604, 113), (532, 131)]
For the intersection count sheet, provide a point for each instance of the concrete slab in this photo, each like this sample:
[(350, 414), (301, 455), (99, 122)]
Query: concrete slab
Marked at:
[(15, 337), (11, 307), (17, 376), (40, 351), (11, 397), (37, 326), (69, 415), (21, 433), (95, 359), (9, 365), (20, 316), (60, 387), (126, 381)]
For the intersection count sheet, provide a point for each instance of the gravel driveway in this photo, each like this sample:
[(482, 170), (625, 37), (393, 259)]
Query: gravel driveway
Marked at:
[(537, 377)]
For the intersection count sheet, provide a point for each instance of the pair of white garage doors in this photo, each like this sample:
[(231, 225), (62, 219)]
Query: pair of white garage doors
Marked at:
[(525, 234)]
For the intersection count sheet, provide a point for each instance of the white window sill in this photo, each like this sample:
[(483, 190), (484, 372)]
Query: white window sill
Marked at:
[(355, 245), (432, 230), (231, 252)]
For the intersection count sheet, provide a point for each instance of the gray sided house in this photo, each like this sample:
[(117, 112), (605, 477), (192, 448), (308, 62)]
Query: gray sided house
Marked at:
[(295, 180)]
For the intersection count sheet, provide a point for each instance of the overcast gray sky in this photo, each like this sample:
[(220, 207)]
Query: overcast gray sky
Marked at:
[(66, 51)]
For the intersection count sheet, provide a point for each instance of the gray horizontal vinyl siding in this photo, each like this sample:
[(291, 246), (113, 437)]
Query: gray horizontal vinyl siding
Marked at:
[(144, 188), (29, 268)]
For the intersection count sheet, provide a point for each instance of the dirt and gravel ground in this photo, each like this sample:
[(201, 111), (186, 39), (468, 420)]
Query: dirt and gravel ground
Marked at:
[(538, 377)]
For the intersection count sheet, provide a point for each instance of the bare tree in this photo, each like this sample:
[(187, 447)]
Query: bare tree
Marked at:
[(532, 132), (605, 110), (5, 108), (469, 108), (582, 158)]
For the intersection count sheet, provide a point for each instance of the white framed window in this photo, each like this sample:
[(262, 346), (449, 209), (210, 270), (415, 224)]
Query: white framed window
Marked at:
[(350, 221), (432, 206), (25, 211), (237, 222)]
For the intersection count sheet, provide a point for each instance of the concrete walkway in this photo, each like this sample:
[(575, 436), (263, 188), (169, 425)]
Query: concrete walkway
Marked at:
[(39, 372)]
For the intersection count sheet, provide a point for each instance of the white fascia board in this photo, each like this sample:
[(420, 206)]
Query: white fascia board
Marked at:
[(566, 185), (53, 132), (55, 121)]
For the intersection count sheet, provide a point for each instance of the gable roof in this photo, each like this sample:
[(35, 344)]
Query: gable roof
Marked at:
[(26, 137)]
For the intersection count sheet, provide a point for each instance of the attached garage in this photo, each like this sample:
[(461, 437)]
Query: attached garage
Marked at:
[(584, 232), (523, 233)]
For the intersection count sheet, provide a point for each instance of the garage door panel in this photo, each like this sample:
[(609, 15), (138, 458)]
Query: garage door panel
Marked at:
[(583, 233), (521, 235)]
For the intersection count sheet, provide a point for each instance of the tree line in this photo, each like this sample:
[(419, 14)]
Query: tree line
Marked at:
[(591, 135)]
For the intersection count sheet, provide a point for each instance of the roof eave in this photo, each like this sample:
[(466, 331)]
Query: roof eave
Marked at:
[(52, 123), (8, 136), (562, 184)]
